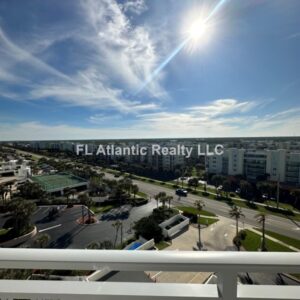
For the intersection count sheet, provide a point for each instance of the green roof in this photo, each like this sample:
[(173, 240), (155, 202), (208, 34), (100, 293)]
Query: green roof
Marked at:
[(58, 181)]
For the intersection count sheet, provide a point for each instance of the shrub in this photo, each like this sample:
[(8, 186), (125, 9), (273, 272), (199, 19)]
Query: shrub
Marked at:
[(139, 201), (193, 218), (148, 228), (205, 194), (243, 234)]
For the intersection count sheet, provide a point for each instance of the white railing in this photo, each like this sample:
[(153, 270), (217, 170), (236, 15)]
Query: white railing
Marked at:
[(225, 264)]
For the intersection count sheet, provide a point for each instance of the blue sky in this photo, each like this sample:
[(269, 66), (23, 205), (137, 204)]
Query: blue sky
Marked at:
[(75, 69)]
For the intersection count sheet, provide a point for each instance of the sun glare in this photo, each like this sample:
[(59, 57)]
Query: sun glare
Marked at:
[(197, 30), (197, 34)]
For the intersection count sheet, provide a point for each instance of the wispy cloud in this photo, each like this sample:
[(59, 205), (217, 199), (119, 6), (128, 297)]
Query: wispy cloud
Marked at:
[(114, 46), (223, 106), (294, 36), (162, 125), (134, 6)]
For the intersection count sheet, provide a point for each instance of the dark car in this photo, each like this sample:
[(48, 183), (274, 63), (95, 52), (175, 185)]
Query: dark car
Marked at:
[(181, 192)]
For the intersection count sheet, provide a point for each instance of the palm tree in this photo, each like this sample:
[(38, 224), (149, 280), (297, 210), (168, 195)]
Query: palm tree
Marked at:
[(135, 190), (159, 197), (117, 225), (42, 240), (169, 198), (261, 218), (3, 193), (296, 194), (236, 212), (199, 204), (82, 198)]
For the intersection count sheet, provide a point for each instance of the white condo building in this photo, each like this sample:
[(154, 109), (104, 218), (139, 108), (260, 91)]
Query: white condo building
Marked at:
[(281, 164)]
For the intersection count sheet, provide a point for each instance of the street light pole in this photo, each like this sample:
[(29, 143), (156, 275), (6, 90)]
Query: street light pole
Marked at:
[(199, 232), (277, 198)]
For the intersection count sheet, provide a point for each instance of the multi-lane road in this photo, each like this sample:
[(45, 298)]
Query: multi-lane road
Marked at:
[(281, 225)]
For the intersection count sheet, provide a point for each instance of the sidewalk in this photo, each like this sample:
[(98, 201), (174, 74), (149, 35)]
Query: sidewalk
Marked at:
[(275, 240)]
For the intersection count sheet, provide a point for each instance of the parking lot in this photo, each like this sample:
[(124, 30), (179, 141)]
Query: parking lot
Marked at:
[(65, 232)]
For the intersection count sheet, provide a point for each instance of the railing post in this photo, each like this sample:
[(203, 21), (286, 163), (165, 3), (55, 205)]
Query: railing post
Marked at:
[(227, 285)]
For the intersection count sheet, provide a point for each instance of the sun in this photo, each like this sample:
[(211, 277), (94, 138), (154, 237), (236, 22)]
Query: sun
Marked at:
[(197, 34), (197, 30)]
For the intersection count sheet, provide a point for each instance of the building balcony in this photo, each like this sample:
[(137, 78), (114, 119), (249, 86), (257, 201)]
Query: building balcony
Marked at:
[(226, 266)]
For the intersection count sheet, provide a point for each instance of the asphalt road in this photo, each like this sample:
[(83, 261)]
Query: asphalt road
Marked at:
[(65, 232), (281, 225)]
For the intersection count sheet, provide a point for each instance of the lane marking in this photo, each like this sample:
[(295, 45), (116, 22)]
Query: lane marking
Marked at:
[(49, 228)]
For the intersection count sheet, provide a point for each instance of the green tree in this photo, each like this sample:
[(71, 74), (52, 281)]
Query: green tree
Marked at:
[(217, 180), (3, 193), (226, 187), (160, 197), (246, 189), (87, 202), (193, 182), (135, 190), (148, 229), (169, 199), (261, 218), (42, 240), (296, 195), (236, 213), (31, 190), (21, 212), (100, 245)]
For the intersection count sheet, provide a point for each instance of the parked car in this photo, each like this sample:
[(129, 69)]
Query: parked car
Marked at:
[(181, 192)]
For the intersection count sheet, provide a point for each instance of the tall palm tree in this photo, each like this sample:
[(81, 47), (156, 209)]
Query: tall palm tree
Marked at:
[(169, 198), (3, 192), (117, 225), (159, 197), (261, 218), (199, 204), (88, 203), (236, 212)]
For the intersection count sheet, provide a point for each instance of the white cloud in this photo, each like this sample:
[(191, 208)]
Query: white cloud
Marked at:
[(119, 57), (128, 52), (163, 125), (134, 6), (224, 106)]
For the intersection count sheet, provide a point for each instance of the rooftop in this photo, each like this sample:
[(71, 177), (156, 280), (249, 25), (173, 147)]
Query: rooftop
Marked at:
[(57, 182)]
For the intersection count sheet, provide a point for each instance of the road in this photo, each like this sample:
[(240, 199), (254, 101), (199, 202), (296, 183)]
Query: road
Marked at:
[(65, 232), (281, 225)]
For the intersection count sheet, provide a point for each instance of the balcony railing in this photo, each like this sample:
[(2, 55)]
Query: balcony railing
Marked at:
[(226, 265)]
